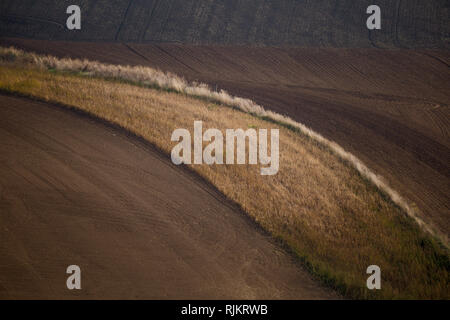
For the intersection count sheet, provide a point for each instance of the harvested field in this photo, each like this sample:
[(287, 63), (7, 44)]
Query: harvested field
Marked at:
[(388, 107)]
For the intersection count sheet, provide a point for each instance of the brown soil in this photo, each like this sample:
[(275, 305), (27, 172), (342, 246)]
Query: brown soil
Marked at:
[(76, 191)]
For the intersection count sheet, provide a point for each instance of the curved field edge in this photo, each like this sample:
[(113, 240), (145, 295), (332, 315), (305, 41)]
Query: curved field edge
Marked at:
[(333, 220), (147, 76)]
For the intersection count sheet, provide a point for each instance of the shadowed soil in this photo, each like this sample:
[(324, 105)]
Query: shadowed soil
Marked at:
[(76, 191), (329, 23)]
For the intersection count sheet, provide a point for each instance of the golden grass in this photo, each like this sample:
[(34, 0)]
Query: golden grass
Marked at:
[(331, 217), (151, 77)]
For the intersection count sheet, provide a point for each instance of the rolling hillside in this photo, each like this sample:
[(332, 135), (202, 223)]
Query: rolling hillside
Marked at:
[(388, 107)]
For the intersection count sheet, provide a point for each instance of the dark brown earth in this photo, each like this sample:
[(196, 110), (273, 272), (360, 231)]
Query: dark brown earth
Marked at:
[(76, 191), (388, 107), (314, 23)]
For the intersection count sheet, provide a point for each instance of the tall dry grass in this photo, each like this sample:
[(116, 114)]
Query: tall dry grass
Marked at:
[(156, 78), (320, 207)]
